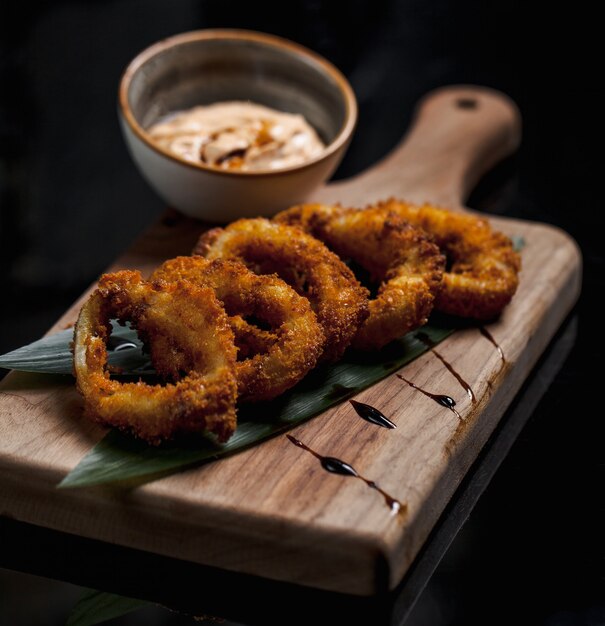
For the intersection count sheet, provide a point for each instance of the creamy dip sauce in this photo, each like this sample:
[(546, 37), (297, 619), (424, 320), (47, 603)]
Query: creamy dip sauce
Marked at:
[(240, 136)]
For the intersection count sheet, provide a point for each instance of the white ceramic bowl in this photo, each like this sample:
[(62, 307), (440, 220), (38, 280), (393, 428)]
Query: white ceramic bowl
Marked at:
[(207, 66)]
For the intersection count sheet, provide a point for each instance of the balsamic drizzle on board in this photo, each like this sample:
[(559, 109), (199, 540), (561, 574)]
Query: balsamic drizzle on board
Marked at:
[(374, 416), (489, 337), (447, 401), (430, 344), (336, 466)]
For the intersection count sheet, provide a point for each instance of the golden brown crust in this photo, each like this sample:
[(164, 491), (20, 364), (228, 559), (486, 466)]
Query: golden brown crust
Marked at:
[(249, 338), (406, 263), (484, 268), (185, 326), (290, 349), (305, 264)]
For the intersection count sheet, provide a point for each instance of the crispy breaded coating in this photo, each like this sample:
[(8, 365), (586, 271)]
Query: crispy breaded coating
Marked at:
[(402, 259), (303, 262), (285, 354), (190, 341), (483, 268)]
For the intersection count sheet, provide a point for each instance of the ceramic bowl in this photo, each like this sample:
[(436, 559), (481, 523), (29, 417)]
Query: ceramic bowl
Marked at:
[(207, 66)]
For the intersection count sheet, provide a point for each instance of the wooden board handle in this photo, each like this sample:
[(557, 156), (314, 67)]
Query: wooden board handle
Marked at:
[(458, 133)]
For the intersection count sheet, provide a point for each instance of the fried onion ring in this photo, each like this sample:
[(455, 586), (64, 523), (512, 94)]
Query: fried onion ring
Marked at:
[(186, 331), (296, 336), (408, 266), (483, 270), (303, 262)]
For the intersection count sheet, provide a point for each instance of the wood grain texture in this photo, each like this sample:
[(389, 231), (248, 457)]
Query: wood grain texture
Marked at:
[(272, 510)]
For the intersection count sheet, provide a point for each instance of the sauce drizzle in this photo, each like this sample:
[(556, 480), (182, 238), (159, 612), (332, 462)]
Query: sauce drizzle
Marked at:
[(372, 415), (446, 401), (489, 337), (427, 341), (336, 466)]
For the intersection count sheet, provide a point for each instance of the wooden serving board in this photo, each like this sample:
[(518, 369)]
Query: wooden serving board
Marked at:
[(272, 510)]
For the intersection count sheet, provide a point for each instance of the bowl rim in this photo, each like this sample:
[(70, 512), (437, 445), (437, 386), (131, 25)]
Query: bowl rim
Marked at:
[(341, 139)]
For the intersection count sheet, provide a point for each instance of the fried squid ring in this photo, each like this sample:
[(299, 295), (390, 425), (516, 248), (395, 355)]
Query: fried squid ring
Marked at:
[(408, 266), (249, 338), (276, 360), (303, 262), (483, 270), (190, 341)]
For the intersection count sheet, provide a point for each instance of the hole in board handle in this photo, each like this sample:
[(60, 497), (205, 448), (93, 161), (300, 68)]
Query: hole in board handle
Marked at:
[(467, 103)]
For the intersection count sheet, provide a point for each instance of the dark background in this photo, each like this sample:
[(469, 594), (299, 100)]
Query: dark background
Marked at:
[(70, 200)]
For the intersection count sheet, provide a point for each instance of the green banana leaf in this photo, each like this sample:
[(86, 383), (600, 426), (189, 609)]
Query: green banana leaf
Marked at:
[(119, 458), (96, 607)]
